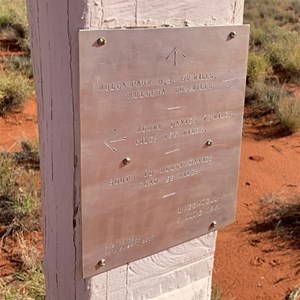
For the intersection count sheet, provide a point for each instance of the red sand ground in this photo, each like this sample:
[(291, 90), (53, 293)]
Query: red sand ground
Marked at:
[(247, 266), (250, 265), (18, 126)]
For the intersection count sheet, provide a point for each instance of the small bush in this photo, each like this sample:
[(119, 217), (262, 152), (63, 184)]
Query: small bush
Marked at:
[(265, 95), (296, 27), (8, 189), (258, 67), (288, 111), (281, 218), (284, 54), (13, 19), (272, 95), (216, 293), (258, 13), (28, 282), (295, 5), (18, 63), (14, 89), (20, 207), (29, 154), (294, 294)]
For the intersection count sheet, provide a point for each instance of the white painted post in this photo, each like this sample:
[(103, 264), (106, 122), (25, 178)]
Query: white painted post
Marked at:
[(182, 272)]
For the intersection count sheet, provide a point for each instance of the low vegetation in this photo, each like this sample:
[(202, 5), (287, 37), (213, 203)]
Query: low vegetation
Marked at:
[(216, 293), (274, 58), (280, 219), (15, 70), (13, 25), (19, 191), (20, 214), (14, 90), (294, 294), (28, 282), (20, 64)]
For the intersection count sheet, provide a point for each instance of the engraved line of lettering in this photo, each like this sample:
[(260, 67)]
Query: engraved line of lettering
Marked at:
[(169, 195), (120, 140), (175, 150), (149, 128), (122, 180), (199, 76), (147, 94), (174, 108), (110, 147), (126, 245)]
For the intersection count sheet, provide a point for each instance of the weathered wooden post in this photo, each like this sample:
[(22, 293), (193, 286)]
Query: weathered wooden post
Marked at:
[(183, 271)]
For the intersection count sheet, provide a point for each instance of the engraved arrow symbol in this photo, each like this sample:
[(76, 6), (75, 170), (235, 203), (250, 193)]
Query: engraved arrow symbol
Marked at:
[(174, 52), (231, 81), (108, 144)]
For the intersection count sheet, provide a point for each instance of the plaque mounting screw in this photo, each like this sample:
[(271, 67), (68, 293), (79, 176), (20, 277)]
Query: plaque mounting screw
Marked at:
[(213, 224), (101, 41), (101, 263), (209, 143), (232, 34), (126, 161)]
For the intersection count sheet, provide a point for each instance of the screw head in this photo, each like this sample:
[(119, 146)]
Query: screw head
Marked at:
[(126, 161), (209, 143), (232, 34), (213, 224), (101, 41), (101, 262)]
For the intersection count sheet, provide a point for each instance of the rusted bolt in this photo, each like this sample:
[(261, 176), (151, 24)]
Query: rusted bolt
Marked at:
[(101, 41), (126, 161), (232, 34)]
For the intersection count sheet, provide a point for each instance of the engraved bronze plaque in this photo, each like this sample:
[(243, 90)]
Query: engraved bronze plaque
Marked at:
[(161, 115)]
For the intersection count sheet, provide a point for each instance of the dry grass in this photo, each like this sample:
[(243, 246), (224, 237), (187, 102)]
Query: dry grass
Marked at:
[(280, 218), (20, 214), (274, 58), (28, 282), (13, 23), (288, 111), (294, 294), (19, 193), (14, 90)]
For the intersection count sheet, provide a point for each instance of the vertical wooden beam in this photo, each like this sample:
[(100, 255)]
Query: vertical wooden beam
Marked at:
[(182, 272)]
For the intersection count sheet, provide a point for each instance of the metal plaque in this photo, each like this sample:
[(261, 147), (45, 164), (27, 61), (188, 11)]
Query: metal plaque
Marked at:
[(161, 119)]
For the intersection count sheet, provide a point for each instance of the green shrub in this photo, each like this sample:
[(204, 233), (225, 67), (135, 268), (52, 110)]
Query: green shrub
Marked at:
[(295, 5), (13, 20), (258, 67), (294, 294), (28, 282), (29, 154), (257, 37), (284, 54), (296, 27), (288, 111), (258, 13), (18, 63), (20, 206), (8, 189), (271, 95), (266, 95), (14, 90)]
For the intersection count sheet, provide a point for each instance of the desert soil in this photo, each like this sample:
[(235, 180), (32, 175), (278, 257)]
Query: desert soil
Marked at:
[(247, 265), (254, 264)]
